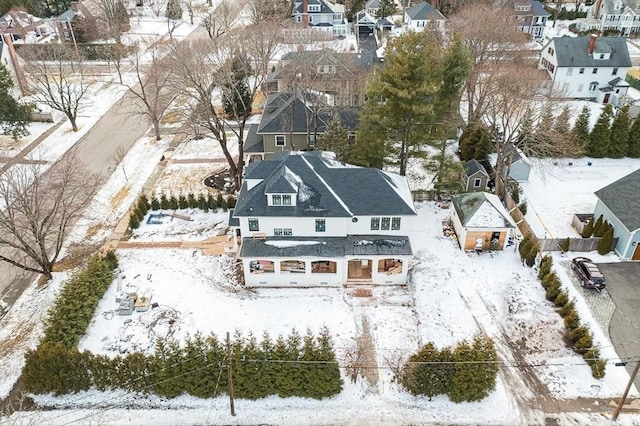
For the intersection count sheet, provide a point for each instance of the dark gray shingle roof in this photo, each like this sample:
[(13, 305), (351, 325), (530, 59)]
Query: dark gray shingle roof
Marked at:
[(622, 197), (473, 166), (253, 141), (423, 11), (327, 188), (328, 246), (572, 52)]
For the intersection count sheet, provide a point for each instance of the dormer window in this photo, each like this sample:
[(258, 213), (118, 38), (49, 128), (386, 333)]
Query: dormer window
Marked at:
[(276, 200), (280, 200), (314, 8), (286, 200)]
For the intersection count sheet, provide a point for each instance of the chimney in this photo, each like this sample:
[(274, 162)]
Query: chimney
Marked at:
[(592, 43), (434, 3), (74, 6), (596, 13), (305, 12)]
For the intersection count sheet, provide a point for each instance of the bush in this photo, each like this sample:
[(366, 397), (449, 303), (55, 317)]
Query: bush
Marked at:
[(604, 246), (192, 201), (578, 333), (572, 320), (598, 227), (223, 205), (561, 299), (143, 203), (584, 343), (530, 260), (466, 373), (567, 309), (138, 213), (592, 357), (545, 267), (72, 312), (523, 208), (231, 201), (202, 203), (525, 246), (549, 280), (134, 222), (587, 231), (552, 292), (173, 203), (182, 202), (213, 204), (155, 204), (164, 202), (565, 245)]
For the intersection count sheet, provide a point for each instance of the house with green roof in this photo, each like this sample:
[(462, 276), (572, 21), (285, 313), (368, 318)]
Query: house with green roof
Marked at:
[(481, 222)]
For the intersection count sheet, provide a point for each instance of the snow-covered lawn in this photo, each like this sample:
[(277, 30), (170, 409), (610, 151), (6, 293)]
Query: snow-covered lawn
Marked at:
[(452, 296), (554, 193)]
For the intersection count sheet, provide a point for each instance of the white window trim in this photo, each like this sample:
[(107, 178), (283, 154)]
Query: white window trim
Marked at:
[(284, 140)]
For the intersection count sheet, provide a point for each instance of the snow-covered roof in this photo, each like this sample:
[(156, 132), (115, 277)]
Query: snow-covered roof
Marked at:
[(482, 210), (324, 188), (351, 245)]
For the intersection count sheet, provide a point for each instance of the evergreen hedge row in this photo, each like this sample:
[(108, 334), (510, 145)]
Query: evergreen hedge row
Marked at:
[(303, 366), (579, 334), (73, 310), (466, 372)]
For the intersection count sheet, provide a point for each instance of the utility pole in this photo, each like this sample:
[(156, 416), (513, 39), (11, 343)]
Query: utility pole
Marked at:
[(230, 377), (616, 412)]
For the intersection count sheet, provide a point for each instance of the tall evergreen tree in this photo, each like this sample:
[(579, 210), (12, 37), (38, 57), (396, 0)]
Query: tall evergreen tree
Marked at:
[(14, 116), (335, 139), (387, 8), (403, 112), (619, 144), (561, 124), (633, 150), (600, 136), (236, 98), (581, 127)]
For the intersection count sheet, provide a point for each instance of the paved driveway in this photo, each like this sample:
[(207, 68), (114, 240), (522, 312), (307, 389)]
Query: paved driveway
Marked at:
[(623, 285)]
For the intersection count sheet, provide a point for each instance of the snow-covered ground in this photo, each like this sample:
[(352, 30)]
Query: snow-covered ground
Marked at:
[(554, 193), (452, 296)]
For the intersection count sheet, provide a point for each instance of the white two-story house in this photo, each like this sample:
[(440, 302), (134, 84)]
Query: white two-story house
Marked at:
[(532, 18), (617, 15), (309, 220), (421, 15), (589, 67), (321, 15)]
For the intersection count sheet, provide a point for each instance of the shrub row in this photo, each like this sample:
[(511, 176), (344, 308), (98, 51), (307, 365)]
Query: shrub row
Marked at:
[(466, 372), (164, 202), (601, 228), (303, 366), (579, 334), (73, 310)]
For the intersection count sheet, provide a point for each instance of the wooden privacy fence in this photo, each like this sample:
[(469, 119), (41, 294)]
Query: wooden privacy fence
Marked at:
[(553, 244)]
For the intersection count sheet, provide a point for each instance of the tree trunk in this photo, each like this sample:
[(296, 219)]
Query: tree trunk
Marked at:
[(156, 128), (72, 120)]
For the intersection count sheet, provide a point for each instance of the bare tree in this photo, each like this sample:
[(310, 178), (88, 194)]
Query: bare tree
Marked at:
[(114, 17), (220, 20), (152, 85), (118, 160), (493, 40), (56, 77), (518, 99), (261, 11), (39, 209), (201, 70)]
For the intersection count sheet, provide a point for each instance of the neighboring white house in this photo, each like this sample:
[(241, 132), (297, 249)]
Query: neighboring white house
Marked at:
[(321, 15), (421, 15), (481, 222), (532, 18), (308, 220), (618, 15), (588, 67)]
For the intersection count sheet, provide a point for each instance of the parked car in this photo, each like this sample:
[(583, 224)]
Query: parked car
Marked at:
[(588, 272)]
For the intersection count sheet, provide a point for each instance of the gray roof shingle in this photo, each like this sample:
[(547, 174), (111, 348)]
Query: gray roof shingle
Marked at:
[(622, 197), (423, 11), (473, 166), (326, 188), (572, 52)]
